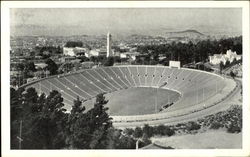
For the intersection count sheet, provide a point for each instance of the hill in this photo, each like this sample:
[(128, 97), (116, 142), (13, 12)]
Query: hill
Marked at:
[(191, 34)]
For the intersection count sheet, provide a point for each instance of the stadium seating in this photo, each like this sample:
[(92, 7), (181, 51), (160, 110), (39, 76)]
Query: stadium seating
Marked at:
[(194, 86)]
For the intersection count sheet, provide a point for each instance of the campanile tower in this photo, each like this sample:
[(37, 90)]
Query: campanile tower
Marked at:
[(109, 52)]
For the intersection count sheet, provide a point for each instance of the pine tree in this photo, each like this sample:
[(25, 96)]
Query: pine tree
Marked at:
[(100, 122), (89, 130)]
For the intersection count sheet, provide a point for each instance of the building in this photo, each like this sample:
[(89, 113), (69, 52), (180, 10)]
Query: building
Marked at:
[(229, 56), (74, 51), (109, 51), (96, 53), (129, 55)]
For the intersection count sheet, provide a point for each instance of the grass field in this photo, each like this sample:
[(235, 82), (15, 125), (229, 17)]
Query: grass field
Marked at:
[(207, 140), (139, 101)]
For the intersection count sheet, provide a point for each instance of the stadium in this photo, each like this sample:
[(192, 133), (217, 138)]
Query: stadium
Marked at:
[(141, 94)]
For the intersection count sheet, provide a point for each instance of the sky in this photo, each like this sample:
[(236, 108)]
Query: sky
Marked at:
[(48, 21)]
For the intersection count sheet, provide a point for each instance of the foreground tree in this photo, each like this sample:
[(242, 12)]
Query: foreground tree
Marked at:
[(89, 130), (232, 74), (100, 122), (40, 122)]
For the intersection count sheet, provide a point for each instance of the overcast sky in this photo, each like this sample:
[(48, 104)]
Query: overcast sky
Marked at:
[(98, 21)]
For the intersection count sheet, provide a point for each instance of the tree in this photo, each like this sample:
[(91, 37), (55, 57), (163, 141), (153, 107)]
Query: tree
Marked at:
[(164, 130), (227, 63), (47, 131), (43, 120), (221, 67), (232, 74), (15, 116), (138, 132), (89, 130), (74, 44), (52, 66), (109, 61), (100, 122), (77, 126), (30, 66), (148, 130), (126, 142), (128, 131)]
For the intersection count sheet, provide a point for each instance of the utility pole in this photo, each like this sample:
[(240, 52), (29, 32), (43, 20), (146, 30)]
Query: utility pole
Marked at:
[(197, 98), (203, 94), (216, 87), (20, 135), (156, 100)]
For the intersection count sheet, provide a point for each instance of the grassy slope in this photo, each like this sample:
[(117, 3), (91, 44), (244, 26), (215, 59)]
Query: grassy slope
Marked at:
[(207, 140)]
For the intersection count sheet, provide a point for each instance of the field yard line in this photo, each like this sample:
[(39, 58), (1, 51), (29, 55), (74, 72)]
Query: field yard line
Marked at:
[(77, 86), (99, 80), (92, 83), (131, 76), (106, 80), (125, 77), (112, 78)]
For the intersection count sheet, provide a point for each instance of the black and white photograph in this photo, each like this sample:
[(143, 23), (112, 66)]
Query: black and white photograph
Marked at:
[(130, 76)]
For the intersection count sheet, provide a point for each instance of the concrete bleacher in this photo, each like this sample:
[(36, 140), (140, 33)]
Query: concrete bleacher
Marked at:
[(198, 89)]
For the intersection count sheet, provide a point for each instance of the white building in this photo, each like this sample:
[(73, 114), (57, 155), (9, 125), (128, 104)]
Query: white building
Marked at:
[(229, 56), (96, 52), (129, 55), (73, 51)]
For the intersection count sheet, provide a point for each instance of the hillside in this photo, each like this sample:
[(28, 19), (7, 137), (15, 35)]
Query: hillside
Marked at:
[(191, 34)]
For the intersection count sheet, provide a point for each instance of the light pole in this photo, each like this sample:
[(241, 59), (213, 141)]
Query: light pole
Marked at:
[(156, 103), (197, 98), (216, 88)]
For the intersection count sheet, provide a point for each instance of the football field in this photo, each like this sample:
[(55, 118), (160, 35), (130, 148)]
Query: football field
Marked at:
[(139, 101)]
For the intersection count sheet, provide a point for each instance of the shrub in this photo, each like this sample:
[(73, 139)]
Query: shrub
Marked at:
[(193, 126), (138, 132), (233, 128), (128, 131), (148, 130), (215, 125), (164, 130)]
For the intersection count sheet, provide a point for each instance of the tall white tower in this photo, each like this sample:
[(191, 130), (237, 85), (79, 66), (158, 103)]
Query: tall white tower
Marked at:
[(109, 52)]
